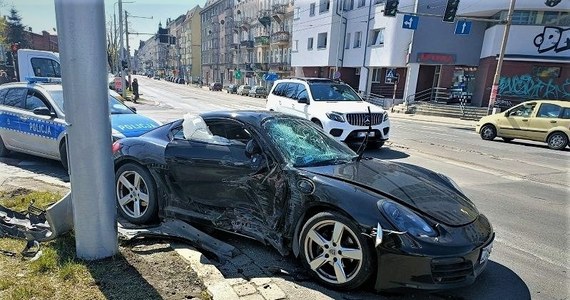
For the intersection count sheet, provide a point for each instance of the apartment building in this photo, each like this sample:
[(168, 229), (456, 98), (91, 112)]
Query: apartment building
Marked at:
[(353, 40), (190, 45), (216, 21)]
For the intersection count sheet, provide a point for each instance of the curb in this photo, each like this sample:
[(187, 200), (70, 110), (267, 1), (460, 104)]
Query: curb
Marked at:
[(428, 119), (213, 279)]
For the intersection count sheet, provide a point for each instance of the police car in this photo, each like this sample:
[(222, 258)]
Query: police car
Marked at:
[(32, 120)]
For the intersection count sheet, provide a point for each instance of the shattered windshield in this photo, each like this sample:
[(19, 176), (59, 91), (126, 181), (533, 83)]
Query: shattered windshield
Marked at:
[(304, 145)]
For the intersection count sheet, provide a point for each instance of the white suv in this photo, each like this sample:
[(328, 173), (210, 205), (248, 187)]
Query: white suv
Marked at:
[(333, 105)]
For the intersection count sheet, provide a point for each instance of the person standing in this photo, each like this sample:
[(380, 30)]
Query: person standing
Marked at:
[(135, 87)]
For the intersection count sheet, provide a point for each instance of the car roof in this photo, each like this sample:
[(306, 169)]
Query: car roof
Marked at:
[(563, 103), (44, 86)]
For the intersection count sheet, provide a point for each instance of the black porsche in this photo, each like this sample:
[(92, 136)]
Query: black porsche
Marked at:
[(283, 181)]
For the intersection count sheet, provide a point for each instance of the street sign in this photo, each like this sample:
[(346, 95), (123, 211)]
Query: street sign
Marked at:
[(271, 77), (237, 74), (391, 76), (410, 22), (463, 27)]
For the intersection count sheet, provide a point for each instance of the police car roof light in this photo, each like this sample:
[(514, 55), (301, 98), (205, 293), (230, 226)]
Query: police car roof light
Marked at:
[(35, 79)]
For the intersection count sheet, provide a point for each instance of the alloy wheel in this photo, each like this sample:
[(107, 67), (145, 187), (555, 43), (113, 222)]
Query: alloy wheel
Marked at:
[(132, 194), (557, 141), (333, 252)]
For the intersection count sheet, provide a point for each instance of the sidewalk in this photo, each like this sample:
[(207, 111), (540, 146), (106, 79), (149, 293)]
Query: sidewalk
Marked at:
[(434, 119)]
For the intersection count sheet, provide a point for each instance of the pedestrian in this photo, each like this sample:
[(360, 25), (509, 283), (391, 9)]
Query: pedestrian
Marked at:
[(135, 86)]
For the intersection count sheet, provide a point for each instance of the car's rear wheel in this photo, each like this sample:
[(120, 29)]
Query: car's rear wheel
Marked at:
[(335, 252), (508, 140), (557, 140), (488, 132), (3, 150), (136, 194), (63, 155)]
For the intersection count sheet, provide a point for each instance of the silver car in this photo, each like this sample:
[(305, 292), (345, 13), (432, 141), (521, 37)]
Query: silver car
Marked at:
[(32, 120)]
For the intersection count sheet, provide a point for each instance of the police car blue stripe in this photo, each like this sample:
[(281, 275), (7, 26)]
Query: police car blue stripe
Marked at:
[(32, 126)]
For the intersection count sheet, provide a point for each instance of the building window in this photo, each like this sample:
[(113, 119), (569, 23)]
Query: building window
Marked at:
[(348, 5), (347, 41), (379, 1), (324, 6), (376, 75), (361, 3), (295, 45), (376, 37), (297, 13), (322, 40), (312, 9), (310, 43), (357, 39)]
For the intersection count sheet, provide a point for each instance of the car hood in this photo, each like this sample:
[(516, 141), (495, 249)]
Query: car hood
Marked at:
[(131, 125), (349, 106), (414, 186)]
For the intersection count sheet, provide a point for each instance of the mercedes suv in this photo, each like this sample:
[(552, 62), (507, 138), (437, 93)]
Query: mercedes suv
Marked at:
[(332, 105)]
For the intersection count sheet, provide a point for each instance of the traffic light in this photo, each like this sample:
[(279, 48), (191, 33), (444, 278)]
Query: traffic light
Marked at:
[(391, 8), (450, 11), (124, 64), (9, 59), (552, 3)]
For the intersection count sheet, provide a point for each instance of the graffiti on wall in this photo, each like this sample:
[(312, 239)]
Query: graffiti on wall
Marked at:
[(553, 38), (531, 87)]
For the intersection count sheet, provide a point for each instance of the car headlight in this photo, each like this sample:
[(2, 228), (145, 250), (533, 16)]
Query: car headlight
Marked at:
[(406, 220), (116, 135), (335, 116), (385, 117)]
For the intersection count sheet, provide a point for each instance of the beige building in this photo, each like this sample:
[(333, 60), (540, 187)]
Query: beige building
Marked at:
[(191, 55)]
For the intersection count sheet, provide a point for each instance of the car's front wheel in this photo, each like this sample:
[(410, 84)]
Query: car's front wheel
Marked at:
[(335, 252), (488, 132), (63, 155), (557, 141), (136, 193)]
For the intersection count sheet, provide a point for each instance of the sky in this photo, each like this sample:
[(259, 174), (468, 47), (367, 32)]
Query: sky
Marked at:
[(40, 14)]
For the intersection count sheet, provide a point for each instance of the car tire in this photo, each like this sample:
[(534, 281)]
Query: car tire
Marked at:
[(325, 240), (507, 140), (318, 123), (63, 155), (557, 140), (136, 194), (488, 132), (3, 150)]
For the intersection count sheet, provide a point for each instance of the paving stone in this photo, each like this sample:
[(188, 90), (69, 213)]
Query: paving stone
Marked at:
[(271, 292), (252, 297), (261, 281), (244, 289), (235, 281)]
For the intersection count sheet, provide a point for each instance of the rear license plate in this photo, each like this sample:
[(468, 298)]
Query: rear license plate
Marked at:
[(363, 134), (485, 253)]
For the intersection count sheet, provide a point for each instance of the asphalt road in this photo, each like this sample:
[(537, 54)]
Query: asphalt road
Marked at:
[(522, 187)]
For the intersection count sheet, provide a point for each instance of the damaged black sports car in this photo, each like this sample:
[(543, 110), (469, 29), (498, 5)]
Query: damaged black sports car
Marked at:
[(283, 181)]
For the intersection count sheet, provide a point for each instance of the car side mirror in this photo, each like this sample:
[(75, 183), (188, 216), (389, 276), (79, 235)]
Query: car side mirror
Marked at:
[(43, 111), (252, 148), (303, 100)]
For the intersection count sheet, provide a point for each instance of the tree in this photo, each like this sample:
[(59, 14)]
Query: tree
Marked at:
[(15, 30)]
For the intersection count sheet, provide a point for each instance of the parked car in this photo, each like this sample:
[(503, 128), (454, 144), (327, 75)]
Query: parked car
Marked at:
[(258, 91), (231, 89), (215, 86), (538, 120), (281, 180), (32, 120), (332, 105), (243, 90)]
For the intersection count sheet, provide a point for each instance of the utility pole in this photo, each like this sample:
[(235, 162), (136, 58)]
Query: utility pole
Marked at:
[(495, 86), (128, 50), (121, 51)]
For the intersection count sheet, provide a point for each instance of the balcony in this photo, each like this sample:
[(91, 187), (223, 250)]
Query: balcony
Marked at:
[(278, 13), (280, 38), (264, 17), (262, 41), (261, 66), (247, 44), (245, 24)]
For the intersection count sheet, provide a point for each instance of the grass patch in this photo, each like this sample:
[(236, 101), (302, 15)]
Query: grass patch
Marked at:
[(20, 199)]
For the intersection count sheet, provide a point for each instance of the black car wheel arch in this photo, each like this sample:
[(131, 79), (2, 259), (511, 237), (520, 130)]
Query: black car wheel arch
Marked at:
[(136, 193), (335, 252), (3, 150)]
